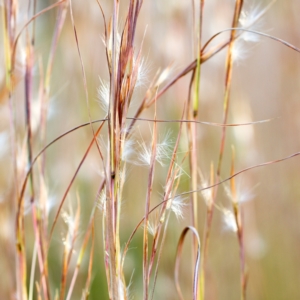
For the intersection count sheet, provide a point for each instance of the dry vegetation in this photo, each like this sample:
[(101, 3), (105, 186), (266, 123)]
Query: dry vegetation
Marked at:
[(149, 149)]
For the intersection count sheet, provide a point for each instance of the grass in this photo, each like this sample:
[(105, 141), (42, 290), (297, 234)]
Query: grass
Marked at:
[(138, 195)]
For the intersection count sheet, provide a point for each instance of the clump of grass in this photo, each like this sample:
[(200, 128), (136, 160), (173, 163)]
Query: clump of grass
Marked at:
[(116, 153)]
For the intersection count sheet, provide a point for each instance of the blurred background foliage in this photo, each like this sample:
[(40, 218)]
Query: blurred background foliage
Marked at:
[(265, 85)]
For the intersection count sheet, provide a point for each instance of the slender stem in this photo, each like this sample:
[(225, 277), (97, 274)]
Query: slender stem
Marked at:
[(228, 77)]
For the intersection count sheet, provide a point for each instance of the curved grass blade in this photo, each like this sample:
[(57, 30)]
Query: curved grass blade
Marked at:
[(177, 262)]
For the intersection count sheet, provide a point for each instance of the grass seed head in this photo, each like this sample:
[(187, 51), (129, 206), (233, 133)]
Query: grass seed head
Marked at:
[(229, 220)]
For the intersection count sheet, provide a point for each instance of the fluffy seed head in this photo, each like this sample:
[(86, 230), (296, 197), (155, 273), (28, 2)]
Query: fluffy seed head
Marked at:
[(251, 19), (103, 95), (72, 223), (177, 205), (241, 196), (102, 201), (229, 220), (143, 69), (163, 150)]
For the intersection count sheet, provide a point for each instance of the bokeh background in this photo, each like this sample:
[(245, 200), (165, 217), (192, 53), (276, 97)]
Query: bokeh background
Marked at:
[(266, 85)]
